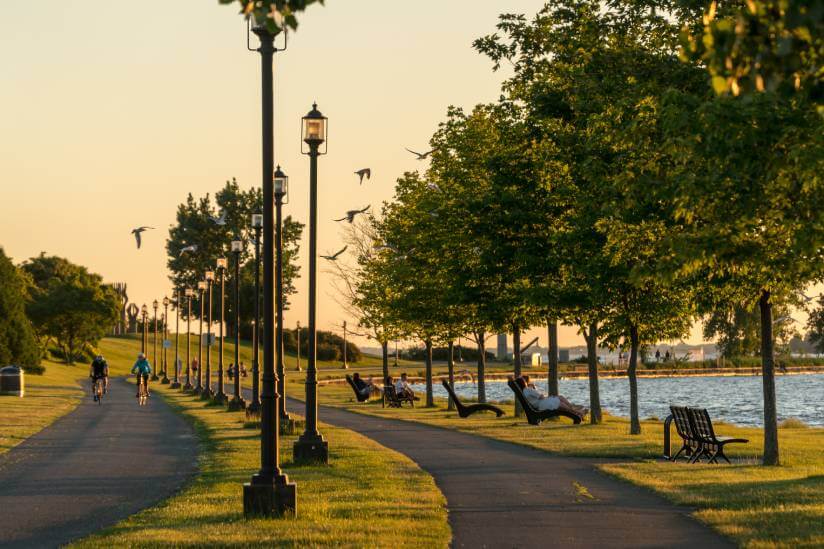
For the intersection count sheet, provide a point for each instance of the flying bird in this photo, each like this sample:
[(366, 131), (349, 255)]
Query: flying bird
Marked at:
[(364, 172), (192, 248), (350, 215), (421, 156), (334, 257), (219, 220), (136, 232), (383, 247)]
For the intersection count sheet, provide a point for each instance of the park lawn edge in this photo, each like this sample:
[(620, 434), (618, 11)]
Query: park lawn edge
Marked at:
[(322, 518)]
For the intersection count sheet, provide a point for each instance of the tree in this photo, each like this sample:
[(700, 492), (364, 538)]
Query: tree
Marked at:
[(277, 15), (736, 329), (18, 344), (815, 326), (69, 305)]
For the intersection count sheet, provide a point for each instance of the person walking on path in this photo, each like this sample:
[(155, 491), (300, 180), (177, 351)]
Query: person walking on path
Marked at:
[(142, 368)]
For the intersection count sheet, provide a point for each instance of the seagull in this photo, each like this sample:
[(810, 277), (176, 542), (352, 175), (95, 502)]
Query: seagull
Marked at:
[(433, 187), (365, 171), (350, 215), (421, 156), (192, 248), (383, 247), (334, 257), (136, 232), (219, 220)]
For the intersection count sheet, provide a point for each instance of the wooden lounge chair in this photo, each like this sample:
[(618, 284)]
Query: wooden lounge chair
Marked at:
[(358, 395), (711, 445), (535, 417), (393, 400), (691, 444), (466, 410)]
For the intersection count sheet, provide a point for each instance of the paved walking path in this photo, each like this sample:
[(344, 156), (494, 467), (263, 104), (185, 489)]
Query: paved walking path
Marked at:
[(504, 495), (92, 468)]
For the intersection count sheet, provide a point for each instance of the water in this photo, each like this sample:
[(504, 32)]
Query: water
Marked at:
[(736, 400)]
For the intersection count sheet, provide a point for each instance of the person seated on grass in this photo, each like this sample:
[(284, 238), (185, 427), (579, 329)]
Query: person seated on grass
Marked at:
[(365, 388), (403, 390), (542, 402)]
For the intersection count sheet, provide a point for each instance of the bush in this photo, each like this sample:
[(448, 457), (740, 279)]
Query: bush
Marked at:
[(332, 345), (18, 344)]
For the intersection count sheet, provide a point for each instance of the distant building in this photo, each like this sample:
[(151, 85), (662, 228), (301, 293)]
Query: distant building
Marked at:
[(502, 350)]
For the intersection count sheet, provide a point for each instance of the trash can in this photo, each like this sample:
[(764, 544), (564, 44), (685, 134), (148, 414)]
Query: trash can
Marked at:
[(12, 381)]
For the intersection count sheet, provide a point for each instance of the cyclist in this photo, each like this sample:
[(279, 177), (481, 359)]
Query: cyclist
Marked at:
[(99, 369), (142, 368)]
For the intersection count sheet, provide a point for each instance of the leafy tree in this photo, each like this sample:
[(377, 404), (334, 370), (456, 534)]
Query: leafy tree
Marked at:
[(18, 344), (736, 329), (815, 326), (69, 305), (277, 15)]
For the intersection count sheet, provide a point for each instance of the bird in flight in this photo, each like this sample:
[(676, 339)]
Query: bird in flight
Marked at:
[(136, 232), (221, 220), (364, 172), (334, 257), (192, 248), (421, 156), (350, 215)]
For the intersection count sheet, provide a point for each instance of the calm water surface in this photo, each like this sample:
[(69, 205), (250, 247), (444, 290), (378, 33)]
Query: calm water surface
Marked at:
[(732, 399)]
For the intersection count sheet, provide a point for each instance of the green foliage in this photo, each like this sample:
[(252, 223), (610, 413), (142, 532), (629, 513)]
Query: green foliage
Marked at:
[(69, 305), (329, 345), (276, 15), (815, 326), (18, 344), (736, 329)]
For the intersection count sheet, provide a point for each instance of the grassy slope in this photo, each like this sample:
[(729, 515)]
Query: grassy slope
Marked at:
[(360, 499), (758, 506)]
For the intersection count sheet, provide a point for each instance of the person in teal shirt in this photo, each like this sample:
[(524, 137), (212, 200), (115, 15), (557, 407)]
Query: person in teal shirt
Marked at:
[(142, 368)]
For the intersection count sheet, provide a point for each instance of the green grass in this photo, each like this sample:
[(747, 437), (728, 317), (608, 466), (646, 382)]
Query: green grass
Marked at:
[(755, 505), (364, 497)]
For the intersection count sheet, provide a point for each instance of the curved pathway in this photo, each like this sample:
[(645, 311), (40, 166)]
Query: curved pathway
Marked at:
[(505, 495), (93, 467)]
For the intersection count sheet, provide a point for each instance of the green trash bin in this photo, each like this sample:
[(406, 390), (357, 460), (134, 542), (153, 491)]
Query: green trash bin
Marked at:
[(12, 381)]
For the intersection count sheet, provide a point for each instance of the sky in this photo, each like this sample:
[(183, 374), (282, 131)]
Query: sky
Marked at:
[(112, 112)]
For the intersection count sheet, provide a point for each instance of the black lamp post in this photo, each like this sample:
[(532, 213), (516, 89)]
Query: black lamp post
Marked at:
[(154, 377), (144, 341), (188, 293), (345, 364), (237, 403), (310, 446), (177, 302), (201, 287), (221, 396), (281, 190), (254, 407), (207, 391), (298, 367), (269, 492), (166, 302)]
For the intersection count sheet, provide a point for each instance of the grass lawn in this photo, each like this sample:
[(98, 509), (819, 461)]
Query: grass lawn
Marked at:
[(364, 497), (755, 505)]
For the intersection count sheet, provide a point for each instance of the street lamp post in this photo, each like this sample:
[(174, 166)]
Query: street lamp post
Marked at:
[(298, 330), (254, 407), (311, 446), (269, 492), (144, 341), (221, 396), (189, 293), (207, 391), (166, 302), (201, 287), (176, 380), (345, 365), (237, 403), (155, 306), (281, 190)]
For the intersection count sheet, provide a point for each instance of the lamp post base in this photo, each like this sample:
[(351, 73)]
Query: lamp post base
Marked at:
[(311, 450), (253, 411), (269, 500), (165, 380), (175, 385), (154, 377), (206, 394), (220, 398), (237, 404)]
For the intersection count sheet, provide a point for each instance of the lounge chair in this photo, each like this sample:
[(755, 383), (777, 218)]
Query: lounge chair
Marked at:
[(393, 400), (535, 417), (358, 395), (466, 410), (712, 446)]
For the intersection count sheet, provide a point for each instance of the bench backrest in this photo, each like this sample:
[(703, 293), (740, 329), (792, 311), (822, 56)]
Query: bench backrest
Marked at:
[(390, 393), (701, 424), (458, 403), (682, 422)]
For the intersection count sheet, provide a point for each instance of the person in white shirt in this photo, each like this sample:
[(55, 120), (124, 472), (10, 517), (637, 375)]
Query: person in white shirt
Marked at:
[(542, 402), (402, 388)]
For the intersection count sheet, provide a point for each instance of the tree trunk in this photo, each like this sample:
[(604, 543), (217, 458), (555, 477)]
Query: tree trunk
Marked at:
[(516, 358), (634, 422), (430, 400), (768, 381), (480, 340), (592, 361), (450, 364), (385, 355), (552, 358)]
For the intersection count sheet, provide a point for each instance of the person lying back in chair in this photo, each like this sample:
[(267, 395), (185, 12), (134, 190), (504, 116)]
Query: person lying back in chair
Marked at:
[(541, 402), (364, 387)]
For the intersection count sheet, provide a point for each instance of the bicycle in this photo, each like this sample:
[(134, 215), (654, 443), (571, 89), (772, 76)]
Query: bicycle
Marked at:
[(142, 391), (98, 390)]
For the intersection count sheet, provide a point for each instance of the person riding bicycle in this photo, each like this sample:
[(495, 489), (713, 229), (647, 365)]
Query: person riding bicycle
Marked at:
[(142, 368), (99, 369)]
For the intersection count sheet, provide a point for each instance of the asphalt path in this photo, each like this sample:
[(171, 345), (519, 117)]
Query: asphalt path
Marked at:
[(93, 467), (505, 495)]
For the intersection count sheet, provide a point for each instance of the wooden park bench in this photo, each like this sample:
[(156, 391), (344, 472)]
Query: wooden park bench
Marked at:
[(694, 426), (533, 416), (466, 410), (393, 400), (358, 394)]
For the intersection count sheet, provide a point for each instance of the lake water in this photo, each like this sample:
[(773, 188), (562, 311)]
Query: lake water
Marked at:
[(732, 399)]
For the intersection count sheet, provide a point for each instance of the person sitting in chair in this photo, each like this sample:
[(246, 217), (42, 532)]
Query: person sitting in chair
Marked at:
[(542, 402), (403, 390), (365, 388)]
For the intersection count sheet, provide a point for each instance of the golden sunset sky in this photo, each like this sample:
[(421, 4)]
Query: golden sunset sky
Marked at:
[(111, 112)]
